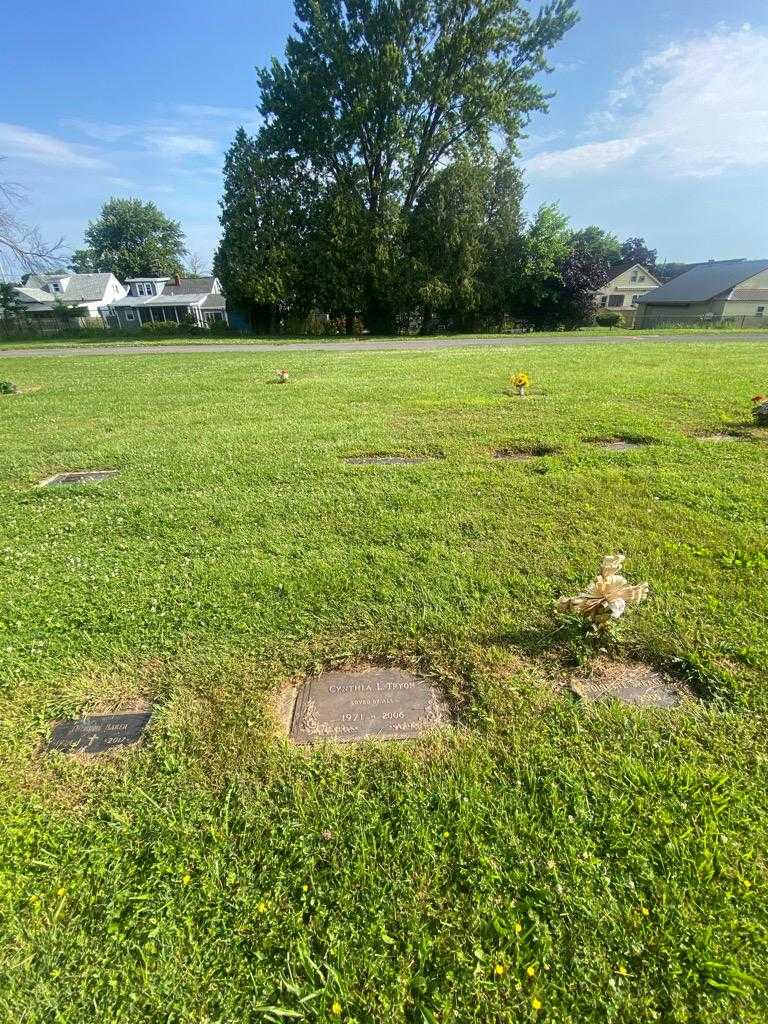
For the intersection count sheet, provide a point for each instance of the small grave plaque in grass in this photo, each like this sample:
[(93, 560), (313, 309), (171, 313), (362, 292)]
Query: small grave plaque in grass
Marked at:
[(97, 734), (389, 460), (619, 444), (521, 454), (633, 683), (372, 703), (80, 476)]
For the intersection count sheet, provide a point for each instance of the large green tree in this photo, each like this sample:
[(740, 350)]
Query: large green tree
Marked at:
[(458, 235), (131, 238), (598, 243), (375, 97)]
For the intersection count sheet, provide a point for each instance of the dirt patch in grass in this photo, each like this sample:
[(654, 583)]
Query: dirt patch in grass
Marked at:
[(631, 682)]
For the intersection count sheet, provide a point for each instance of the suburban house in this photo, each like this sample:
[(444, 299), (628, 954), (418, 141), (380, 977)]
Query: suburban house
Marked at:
[(724, 290), (42, 293), (627, 283), (153, 300)]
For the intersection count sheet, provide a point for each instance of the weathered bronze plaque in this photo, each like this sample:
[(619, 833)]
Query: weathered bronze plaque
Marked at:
[(619, 444), (80, 476), (388, 460), (377, 703), (98, 734)]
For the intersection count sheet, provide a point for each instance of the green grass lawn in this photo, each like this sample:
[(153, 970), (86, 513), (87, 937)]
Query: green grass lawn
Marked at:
[(547, 860)]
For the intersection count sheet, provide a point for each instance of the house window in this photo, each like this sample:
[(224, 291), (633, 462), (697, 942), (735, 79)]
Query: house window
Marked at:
[(149, 289), (129, 314), (603, 300), (641, 277), (615, 300), (760, 311), (55, 286), (634, 276), (634, 299)]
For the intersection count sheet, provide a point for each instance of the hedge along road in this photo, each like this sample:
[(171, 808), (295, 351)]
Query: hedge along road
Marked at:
[(394, 345)]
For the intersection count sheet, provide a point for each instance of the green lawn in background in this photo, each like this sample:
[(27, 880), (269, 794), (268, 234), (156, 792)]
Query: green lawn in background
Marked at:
[(547, 860), (143, 340)]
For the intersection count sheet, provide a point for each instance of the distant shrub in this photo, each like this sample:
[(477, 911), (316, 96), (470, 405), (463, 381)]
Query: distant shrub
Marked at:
[(609, 318), (7, 388), (161, 327)]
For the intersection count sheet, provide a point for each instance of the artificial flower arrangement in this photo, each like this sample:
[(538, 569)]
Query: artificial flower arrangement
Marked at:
[(282, 377), (606, 599), (760, 410), (520, 382)]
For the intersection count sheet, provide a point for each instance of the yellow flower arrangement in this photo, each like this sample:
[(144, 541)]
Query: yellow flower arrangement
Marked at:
[(521, 381)]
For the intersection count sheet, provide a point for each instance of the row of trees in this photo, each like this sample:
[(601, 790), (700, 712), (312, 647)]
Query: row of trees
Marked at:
[(382, 179), (383, 182)]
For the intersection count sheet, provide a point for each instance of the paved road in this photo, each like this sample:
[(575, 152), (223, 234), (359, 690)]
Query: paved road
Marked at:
[(395, 345)]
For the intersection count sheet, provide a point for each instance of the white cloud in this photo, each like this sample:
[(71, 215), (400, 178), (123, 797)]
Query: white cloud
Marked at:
[(26, 144), (171, 144), (695, 109), (594, 156)]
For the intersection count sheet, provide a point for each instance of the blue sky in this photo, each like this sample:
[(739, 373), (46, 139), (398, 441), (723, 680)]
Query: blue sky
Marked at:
[(659, 125)]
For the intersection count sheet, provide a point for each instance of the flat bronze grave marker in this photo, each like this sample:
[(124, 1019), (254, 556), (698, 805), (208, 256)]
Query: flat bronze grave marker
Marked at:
[(522, 454), (635, 684), (80, 476), (389, 460), (372, 703), (618, 444), (97, 734)]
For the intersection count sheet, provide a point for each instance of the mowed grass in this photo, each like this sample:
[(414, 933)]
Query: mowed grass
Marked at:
[(547, 860), (139, 339)]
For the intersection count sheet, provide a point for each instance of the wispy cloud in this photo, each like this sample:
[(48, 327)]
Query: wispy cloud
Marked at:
[(38, 147), (694, 109), (171, 144)]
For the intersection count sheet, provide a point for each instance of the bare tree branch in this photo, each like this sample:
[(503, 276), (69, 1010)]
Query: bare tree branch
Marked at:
[(22, 243)]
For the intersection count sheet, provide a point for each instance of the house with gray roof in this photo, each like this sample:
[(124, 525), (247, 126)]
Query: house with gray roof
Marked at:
[(726, 290), (41, 294), (156, 300)]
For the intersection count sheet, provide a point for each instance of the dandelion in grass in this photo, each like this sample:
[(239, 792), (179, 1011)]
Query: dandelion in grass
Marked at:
[(186, 879), (60, 891), (622, 970), (305, 888), (518, 928), (336, 1009), (261, 907), (446, 835), (607, 598), (644, 911), (530, 971), (499, 970), (536, 1003)]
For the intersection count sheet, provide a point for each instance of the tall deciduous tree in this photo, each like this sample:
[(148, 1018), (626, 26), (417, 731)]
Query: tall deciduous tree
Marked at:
[(377, 95), (131, 238), (599, 243), (635, 249)]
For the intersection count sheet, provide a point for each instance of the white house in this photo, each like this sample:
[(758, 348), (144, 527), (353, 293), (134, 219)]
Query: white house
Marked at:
[(627, 284), (41, 293), (152, 300)]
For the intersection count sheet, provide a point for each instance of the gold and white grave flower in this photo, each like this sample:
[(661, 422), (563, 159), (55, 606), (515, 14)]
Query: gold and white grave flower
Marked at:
[(606, 599)]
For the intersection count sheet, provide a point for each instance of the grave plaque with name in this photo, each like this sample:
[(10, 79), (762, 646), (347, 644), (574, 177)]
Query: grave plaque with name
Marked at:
[(98, 734), (373, 703), (80, 476)]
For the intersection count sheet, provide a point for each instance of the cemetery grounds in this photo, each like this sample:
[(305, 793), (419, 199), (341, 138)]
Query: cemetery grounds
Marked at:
[(546, 858)]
